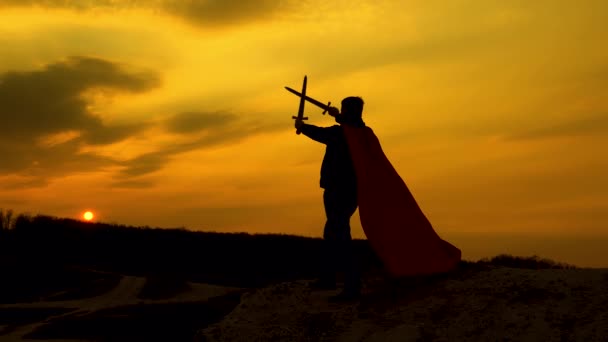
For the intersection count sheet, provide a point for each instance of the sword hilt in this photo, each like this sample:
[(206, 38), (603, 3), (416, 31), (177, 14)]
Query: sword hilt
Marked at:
[(328, 104), (302, 118)]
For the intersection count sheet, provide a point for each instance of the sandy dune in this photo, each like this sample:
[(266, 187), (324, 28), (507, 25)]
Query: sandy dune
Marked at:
[(489, 305)]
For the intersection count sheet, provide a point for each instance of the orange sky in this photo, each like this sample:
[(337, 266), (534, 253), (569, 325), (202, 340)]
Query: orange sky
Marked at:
[(173, 113)]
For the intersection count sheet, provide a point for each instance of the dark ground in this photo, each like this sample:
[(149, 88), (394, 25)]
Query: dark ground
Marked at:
[(53, 259)]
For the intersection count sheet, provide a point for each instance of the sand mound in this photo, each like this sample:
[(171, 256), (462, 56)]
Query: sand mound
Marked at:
[(492, 304)]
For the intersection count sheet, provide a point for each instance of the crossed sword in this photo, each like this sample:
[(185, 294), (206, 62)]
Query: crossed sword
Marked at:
[(304, 98)]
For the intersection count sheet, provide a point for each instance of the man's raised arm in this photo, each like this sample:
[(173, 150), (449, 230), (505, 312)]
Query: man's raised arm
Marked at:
[(320, 134)]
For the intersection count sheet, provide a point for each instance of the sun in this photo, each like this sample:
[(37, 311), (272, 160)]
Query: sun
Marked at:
[(88, 216)]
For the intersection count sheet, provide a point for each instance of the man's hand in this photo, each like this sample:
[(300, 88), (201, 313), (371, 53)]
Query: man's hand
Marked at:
[(299, 124), (333, 111)]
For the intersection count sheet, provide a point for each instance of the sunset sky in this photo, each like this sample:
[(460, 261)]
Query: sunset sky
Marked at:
[(172, 113)]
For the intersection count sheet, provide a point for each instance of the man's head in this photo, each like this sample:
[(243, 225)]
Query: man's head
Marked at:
[(352, 106)]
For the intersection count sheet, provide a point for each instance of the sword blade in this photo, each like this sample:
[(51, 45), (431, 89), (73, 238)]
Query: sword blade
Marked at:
[(309, 99), (301, 109)]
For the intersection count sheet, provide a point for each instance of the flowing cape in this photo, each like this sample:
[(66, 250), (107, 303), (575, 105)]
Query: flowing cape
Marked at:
[(394, 224)]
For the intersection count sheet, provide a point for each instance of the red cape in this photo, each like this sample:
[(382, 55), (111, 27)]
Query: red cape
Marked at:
[(394, 224)]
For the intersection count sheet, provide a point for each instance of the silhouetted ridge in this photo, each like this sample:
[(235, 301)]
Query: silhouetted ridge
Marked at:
[(225, 258), (534, 262), (42, 253)]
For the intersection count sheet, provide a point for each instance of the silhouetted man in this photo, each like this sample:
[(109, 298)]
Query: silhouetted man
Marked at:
[(339, 197)]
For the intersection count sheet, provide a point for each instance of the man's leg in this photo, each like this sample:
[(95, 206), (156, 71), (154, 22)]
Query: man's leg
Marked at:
[(348, 260), (340, 206), (329, 262)]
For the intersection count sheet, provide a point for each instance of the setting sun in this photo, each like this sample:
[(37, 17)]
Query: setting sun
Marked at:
[(88, 216)]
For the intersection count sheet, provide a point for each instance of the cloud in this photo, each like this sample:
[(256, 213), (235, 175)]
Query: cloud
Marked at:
[(222, 12), (37, 166), (47, 101), (104, 135), (189, 122), (146, 163), (45, 121), (212, 13), (50, 102), (591, 125), (16, 183), (133, 184), (76, 4), (514, 130), (209, 129)]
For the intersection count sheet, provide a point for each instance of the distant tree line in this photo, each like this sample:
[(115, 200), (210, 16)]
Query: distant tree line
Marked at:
[(7, 220), (239, 259), (228, 258)]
